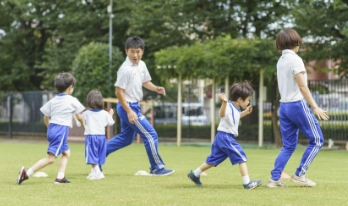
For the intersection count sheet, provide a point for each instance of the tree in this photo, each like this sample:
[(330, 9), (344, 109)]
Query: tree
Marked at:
[(91, 70), (323, 24)]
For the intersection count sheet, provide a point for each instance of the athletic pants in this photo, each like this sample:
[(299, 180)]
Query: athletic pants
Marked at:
[(295, 116), (128, 131)]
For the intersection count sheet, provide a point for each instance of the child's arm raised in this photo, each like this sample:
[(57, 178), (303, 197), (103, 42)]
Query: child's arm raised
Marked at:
[(223, 105)]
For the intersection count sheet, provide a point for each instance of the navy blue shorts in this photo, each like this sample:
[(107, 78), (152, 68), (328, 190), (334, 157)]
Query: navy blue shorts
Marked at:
[(225, 146)]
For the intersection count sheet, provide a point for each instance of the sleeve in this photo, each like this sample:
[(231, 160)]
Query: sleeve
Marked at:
[(147, 76), (46, 109), (78, 106), (298, 66), (110, 121), (122, 78)]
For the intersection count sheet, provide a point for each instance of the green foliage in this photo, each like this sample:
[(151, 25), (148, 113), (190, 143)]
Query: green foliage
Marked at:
[(220, 58), (324, 23), (91, 70)]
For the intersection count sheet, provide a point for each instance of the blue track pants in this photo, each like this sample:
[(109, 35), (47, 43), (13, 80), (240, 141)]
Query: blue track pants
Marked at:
[(295, 116), (128, 131)]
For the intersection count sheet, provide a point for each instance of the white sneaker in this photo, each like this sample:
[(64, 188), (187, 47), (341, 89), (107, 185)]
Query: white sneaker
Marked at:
[(272, 183), (97, 176), (90, 175), (302, 180)]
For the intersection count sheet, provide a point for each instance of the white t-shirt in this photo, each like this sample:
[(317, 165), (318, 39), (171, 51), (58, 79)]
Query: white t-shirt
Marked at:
[(289, 64), (96, 121), (229, 123), (61, 108), (131, 77)]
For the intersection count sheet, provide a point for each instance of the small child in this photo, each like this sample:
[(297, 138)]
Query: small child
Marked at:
[(58, 114), (224, 144), (96, 119)]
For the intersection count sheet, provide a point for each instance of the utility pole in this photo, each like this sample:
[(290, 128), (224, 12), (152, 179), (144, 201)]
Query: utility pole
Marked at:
[(109, 9)]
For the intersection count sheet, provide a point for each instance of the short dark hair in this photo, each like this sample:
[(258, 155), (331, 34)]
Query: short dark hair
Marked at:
[(241, 90), (95, 99), (63, 81), (135, 42), (288, 39)]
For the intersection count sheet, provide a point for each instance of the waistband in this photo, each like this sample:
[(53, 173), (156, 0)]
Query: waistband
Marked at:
[(229, 134)]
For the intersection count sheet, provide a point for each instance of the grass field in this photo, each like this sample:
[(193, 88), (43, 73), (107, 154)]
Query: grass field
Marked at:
[(222, 185)]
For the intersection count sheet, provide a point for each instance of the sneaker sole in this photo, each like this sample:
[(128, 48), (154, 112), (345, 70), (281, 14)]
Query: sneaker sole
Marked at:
[(163, 174), (255, 187), (275, 186), (198, 185), (301, 183), (20, 175)]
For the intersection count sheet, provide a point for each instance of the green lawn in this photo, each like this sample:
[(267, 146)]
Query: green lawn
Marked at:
[(222, 186)]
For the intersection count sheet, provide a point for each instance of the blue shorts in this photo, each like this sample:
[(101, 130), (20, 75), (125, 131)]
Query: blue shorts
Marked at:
[(225, 146), (95, 149), (57, 136)]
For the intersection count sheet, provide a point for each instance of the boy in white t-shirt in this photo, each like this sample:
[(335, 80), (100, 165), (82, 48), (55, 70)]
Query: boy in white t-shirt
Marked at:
[(224, 145), (58, 113), (96, 119)]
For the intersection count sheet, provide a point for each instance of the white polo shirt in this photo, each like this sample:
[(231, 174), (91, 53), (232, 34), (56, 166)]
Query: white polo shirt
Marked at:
[(131, 77), (60, 109), (229, 123), (289, 64), (96, 121)]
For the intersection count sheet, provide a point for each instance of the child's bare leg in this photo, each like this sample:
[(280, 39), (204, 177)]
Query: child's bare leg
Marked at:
[(41, 163), (244, 172), (62, 164), (202, 168)]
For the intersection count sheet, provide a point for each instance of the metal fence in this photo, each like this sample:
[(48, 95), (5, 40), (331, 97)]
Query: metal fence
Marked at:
[(20, 112)]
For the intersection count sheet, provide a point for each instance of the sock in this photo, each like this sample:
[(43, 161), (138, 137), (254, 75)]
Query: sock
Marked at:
[(30, 172), (60, 175), (246, 179), (96, 169), (197, 172)]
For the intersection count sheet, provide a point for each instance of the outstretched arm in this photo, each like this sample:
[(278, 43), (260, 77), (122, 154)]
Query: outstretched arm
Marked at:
[(150, 86)]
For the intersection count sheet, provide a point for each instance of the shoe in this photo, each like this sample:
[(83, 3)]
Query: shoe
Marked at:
[(22, 175), (252, 184), (97, 176), (161, 172), (60, 181), (194, 179), (302, 180), (90, 174), (272, 183)]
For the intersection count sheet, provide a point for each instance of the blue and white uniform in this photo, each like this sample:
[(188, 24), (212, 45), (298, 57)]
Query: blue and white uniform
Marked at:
[(60, 110), (131, 77), (224, 144), (95, 142), (294, 115)]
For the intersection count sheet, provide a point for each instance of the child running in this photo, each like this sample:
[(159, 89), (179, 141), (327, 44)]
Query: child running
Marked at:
[(96, 119), (224, 144), (58, 113)]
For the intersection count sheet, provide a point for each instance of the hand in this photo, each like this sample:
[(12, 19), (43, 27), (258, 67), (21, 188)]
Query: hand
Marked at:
[(321, 114), (132, 117), (78, 123), (249, 109), (161, 90), (111, 112), (222, 97)]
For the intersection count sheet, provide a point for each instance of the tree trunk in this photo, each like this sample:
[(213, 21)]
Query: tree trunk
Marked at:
[(276, 131)]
